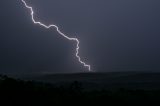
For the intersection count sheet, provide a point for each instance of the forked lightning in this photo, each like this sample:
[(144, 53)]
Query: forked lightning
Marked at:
[(61, 33)]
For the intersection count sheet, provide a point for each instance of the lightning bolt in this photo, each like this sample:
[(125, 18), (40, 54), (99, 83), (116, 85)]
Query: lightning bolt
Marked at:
[(61, 33)]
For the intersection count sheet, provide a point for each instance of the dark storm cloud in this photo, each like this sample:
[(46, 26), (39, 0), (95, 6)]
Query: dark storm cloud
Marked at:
[(115, 35)]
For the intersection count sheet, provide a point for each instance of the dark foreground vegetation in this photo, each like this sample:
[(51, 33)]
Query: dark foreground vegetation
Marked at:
[(15, 92)]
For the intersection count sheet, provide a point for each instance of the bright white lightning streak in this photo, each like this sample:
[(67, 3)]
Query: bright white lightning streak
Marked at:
[(61, 33)]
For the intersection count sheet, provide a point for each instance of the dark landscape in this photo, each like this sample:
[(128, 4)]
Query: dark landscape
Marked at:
[(127, 88), (108, 80)]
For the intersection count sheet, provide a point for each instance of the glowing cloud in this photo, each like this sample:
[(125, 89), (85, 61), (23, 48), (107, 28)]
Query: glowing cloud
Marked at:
[(61, 33)]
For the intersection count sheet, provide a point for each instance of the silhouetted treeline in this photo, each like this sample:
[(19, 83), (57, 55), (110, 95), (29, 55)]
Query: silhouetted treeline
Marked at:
[(15, 92)]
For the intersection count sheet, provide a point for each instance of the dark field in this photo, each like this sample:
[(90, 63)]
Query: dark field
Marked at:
[(110, 80), (119, 88)]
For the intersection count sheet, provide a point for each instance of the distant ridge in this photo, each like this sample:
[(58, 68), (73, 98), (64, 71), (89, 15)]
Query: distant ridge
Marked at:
[(109, 80)]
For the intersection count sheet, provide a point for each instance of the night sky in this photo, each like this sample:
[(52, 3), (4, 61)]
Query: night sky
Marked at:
[(115, 35)]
